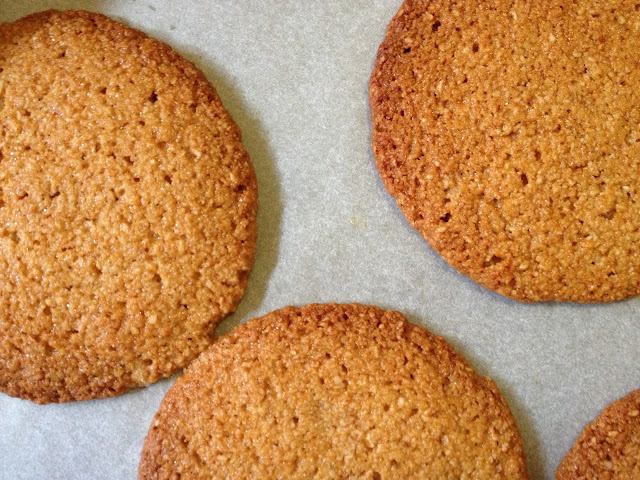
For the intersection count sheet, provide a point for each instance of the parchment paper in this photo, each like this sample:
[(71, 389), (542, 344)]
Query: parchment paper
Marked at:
[(294, 75)]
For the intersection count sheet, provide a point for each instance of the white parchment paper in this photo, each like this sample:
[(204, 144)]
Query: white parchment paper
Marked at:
[(294, 74)]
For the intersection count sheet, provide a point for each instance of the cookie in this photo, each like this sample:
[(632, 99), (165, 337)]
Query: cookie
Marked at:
[(609, 447), (127, 208), (332, 391), (508, 134)]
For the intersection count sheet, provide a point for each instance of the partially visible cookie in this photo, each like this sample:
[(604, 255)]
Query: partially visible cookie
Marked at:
[(332, 391), (609, 447), (127, 208), (508, 134)]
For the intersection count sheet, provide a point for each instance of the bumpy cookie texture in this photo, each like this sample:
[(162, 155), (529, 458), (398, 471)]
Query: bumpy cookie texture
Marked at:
[(508, 134), (609, 447), (332, 391), (127, 209)]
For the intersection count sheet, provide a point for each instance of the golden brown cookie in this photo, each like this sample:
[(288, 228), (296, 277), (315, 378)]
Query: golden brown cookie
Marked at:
[(127, 208), (508, 134), (609, 447), (332, 391)]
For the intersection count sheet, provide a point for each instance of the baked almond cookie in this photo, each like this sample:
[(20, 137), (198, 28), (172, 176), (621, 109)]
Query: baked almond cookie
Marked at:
[(332, 391), (508, 134), (127, 209), (609, 447)]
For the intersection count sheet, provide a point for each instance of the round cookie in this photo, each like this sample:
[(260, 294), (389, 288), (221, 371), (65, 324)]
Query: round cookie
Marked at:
[(609, 447), (508, 134), (332, 391), (127, 208)]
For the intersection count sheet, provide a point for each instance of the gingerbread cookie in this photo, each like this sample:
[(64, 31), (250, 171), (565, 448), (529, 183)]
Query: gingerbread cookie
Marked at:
[(127, 208), (332, 391), (508, 134), (609, 447)]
